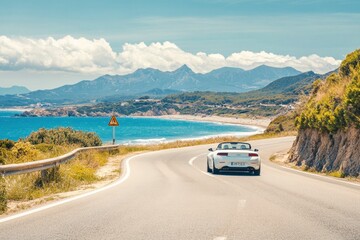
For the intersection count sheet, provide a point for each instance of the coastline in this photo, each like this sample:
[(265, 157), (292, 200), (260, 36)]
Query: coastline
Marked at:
[(261, 123), (254, 125), (15, 109)]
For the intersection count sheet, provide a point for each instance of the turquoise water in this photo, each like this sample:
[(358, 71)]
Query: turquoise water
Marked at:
[(131, 130)]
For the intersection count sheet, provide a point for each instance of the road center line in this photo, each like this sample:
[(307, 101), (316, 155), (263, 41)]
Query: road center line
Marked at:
[(220, 238), (241, 204)]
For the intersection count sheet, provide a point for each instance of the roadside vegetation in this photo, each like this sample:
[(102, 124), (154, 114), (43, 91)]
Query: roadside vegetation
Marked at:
[(44, 144), (64, 137), (283, 123), (335, 103), (79, 171)]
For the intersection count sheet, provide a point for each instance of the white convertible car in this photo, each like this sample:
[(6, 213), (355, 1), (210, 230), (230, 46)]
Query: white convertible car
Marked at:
[(234, 156)]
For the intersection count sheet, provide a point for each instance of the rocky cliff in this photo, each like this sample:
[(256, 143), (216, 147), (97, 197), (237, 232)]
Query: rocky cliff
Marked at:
[(326, 152), (329, 124)]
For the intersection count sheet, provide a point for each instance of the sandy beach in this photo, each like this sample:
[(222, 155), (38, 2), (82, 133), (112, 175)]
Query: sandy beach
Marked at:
[(15, 109), (257, 122)]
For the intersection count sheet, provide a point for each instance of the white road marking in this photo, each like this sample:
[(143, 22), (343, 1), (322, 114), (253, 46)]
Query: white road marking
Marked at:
[(51, 205), (191, 163), (220, 238), (241, 204)]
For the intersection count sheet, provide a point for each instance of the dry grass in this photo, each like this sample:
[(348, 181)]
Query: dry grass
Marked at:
[(25, 152), (338, 174), (333, 88), (79, 171), (272, 157)]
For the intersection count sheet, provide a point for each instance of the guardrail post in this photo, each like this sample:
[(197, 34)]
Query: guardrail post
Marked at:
[(3, 197), (44, 175), (48, 175)]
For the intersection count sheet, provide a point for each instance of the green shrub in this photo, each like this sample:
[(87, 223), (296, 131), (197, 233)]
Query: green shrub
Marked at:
[(3, 196), (338, 174), (3, 154), (282, 123), (335, 103), (352, 100), (64, 136), (22, 152), (351, 61), (7, 144)]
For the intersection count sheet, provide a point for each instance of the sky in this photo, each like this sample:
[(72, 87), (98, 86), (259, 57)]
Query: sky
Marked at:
[(46, 44)]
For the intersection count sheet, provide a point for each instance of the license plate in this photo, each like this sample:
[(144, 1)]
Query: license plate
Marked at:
[(237, 164)]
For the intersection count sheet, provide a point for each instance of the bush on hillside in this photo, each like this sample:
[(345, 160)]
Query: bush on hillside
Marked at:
[(335, 102), (351, 61), (64, 136), (22, 152), (7, 144), (282, 123), (352, 99)]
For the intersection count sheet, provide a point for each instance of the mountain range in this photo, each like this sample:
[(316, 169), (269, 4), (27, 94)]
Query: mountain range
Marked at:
[(266, 101), (144, 80), (281, 91), (13, 90)]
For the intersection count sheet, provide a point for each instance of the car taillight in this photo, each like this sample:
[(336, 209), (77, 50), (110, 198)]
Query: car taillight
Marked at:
[(253, 155), (222, 154)]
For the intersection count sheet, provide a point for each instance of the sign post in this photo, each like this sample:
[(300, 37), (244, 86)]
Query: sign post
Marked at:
[(113, 123)]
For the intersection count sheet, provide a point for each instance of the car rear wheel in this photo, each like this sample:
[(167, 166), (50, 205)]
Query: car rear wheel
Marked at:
[(257, 172), (208, 168), (214, 169)]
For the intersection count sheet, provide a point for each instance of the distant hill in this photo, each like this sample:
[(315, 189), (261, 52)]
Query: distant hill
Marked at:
[(238, 80), (258, 102), (293, 84), (281, 91), (265, 101), (156, 93), (13, 90), (143, 80)]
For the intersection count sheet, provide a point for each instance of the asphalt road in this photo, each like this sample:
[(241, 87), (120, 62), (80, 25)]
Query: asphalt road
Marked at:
[(168, 195)]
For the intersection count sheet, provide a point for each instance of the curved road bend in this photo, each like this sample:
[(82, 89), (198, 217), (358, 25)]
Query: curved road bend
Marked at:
[(168, 195)]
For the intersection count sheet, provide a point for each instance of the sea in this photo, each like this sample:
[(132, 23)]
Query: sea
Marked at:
[(132, 130)]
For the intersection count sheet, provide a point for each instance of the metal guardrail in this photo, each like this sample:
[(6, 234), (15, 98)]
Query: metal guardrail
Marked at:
[(21, 168)]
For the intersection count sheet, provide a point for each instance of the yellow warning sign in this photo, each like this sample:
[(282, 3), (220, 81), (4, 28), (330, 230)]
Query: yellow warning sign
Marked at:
[(113, 122)]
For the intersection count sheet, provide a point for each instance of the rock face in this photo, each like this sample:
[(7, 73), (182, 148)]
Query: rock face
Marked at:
[(326, 152)]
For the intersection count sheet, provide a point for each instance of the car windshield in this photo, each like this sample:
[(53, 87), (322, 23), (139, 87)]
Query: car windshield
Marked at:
[(234, 146)]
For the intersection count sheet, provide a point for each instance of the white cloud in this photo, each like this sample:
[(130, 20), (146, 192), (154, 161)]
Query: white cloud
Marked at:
[(82, 55), (65, 54)]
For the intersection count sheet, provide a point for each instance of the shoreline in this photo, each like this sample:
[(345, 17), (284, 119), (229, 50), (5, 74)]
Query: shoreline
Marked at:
[(145, 142), (15, 109), (259, 123), (257, 126)]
